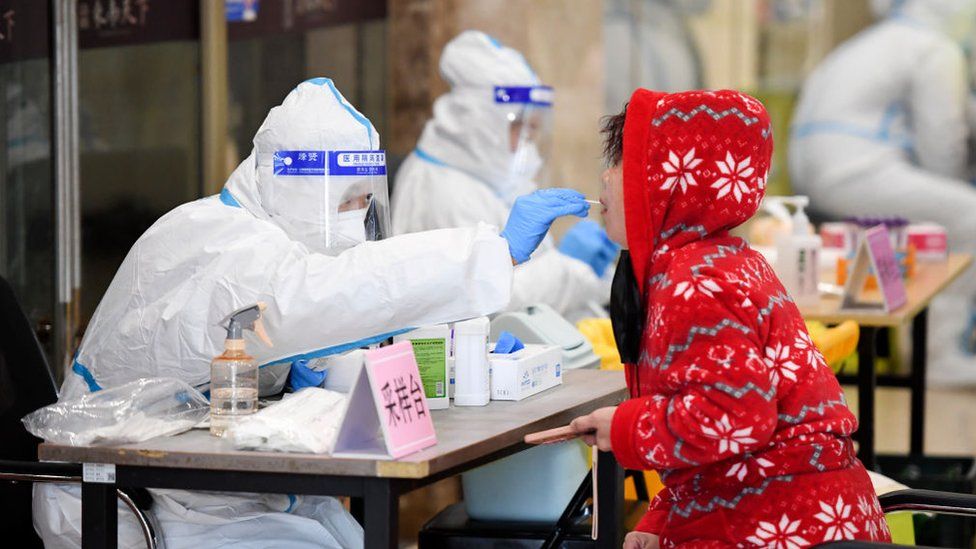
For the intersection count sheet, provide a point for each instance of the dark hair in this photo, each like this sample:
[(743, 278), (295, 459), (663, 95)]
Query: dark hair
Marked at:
[(612, 128)]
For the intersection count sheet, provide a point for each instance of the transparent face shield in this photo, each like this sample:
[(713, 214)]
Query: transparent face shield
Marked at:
[(331, 200), (528, 113)]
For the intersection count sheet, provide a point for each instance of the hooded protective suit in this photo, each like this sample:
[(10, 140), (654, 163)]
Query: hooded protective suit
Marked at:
[(881, 129), (731, 402), (256, 242), (463, 170)]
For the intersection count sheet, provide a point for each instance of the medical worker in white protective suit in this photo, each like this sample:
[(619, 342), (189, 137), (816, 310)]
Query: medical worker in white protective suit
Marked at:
[(289, 229), (485, 146), (881, 129)]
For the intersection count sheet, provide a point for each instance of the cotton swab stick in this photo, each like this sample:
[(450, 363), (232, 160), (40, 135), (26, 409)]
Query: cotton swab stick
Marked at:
[(594, 202)]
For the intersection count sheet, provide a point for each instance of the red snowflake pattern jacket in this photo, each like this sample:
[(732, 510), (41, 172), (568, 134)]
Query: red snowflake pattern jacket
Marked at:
[(731, 402)]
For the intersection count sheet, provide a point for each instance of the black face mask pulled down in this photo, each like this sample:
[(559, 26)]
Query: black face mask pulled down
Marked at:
[(373, 230), (626, 311)]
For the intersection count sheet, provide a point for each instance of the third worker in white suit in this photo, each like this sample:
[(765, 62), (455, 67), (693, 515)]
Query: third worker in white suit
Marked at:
[(484, 146), (881, 129)]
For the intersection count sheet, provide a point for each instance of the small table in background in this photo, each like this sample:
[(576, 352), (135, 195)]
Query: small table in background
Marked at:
[(929, 281)]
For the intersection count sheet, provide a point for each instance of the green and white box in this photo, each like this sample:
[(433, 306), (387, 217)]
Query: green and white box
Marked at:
[(431, 348), (526, 372)]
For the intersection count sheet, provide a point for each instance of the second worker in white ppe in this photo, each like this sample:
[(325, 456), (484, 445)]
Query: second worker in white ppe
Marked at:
[(484, 146), (881, 129)]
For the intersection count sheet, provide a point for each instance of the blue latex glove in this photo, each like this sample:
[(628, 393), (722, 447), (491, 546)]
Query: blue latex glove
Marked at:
[(301, 376), (532, 215), (508, 344), (589, 243)]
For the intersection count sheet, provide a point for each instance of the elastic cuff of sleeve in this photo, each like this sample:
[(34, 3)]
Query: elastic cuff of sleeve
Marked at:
[(518, 257), (652, 522)]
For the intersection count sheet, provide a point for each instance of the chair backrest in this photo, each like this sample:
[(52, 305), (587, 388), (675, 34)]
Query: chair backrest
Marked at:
[(26, 384)]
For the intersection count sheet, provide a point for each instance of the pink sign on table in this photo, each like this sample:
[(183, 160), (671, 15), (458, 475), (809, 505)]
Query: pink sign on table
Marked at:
[(387, 400), (397, 388), (886, 267), (875, 251)]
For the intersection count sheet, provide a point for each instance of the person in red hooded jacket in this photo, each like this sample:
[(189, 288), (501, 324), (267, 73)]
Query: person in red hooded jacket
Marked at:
[(730, 401)]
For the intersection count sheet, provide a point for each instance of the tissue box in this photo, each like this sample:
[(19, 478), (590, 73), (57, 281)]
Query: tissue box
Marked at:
[(526, 372)]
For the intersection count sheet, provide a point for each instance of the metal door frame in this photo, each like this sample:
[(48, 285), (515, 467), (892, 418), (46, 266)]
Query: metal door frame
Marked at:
[(67, 197)]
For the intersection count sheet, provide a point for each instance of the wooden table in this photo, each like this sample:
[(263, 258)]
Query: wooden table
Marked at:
[(929, 281), (468, 437)]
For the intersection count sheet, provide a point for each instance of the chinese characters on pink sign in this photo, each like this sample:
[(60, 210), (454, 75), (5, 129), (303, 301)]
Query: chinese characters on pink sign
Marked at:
[(886, 267), (874, 251), (387, 415), (395, 381)]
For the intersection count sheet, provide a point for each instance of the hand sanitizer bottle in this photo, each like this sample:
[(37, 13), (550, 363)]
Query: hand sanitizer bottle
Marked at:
[(798, 256)]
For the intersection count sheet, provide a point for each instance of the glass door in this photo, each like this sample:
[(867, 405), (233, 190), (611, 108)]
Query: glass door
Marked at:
[(27, 206), (139, 110)]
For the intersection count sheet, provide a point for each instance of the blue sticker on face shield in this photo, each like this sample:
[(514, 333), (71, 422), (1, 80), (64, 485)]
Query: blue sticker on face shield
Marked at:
[(357, 162), (236, 11), (299, 162), (529, 95)]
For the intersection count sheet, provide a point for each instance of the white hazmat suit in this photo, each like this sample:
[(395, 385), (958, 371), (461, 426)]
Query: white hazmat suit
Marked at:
[(255, 242), (464, 170), (881, 129)]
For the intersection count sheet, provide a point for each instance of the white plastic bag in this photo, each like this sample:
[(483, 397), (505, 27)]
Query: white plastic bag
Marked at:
[(136, 411), (305, 421)]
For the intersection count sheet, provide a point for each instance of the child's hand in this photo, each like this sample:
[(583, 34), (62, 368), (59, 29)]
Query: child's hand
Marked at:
[(596, 427), (641, 540)]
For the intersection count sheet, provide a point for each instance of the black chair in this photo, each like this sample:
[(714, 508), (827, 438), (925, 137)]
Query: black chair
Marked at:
[(929, 501), (26, 384), (452, 529)]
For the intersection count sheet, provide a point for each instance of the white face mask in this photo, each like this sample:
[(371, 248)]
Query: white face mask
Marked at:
[(526, 162), (350, 227)]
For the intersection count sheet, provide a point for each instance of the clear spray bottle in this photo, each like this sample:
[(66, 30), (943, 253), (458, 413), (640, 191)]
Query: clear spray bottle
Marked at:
[(233, 374)]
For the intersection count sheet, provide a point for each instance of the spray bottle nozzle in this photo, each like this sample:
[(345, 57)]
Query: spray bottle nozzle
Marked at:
[(247, 318)]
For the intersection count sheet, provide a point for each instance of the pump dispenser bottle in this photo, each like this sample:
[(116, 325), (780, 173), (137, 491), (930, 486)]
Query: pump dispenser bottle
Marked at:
[(798, 255), (233, 374)]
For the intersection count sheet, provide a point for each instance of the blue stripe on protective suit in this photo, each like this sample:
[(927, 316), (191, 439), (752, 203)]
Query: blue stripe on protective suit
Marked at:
[(93, 385), (322, 81), (228, 198), (882, 134), (337, 349), (86, 374), (427, 157), (431, 159), (498, 45)]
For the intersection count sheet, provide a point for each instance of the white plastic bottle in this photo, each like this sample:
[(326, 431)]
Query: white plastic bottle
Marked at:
[(472, 379), (798, 256)]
